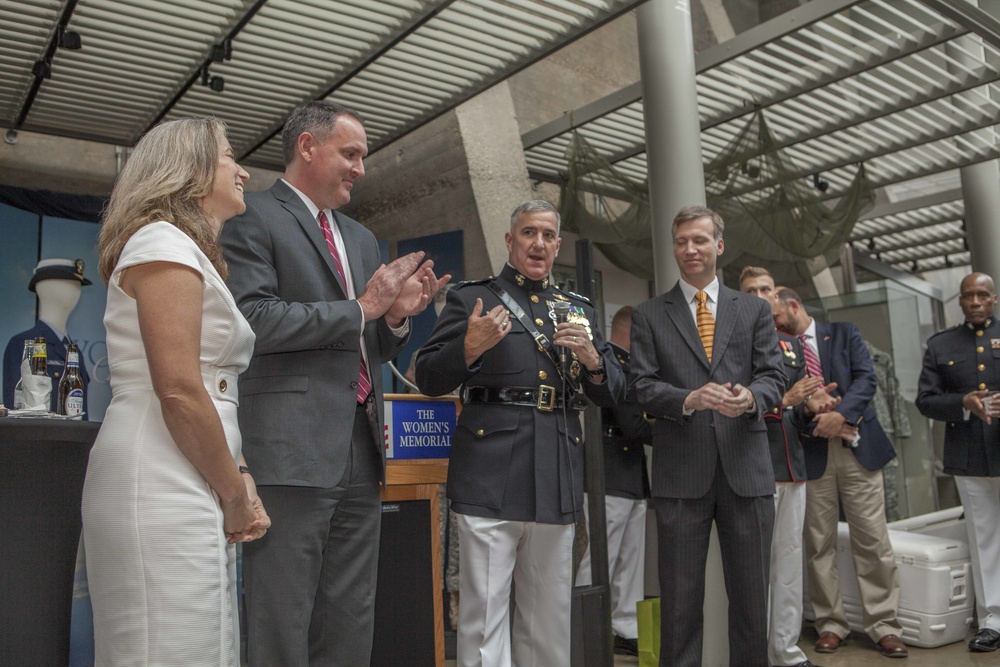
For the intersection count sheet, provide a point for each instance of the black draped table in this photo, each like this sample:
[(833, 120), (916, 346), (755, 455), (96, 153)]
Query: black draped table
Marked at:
[(42, 466)]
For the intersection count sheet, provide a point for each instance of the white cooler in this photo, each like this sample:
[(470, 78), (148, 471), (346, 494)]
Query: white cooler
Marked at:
[(936, 602), (948, 523)]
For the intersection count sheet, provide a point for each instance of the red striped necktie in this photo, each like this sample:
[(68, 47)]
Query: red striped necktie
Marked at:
[(813, 367), (364, 381)]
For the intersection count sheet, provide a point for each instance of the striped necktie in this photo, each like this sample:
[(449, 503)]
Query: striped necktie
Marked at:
[(706, 323), (813, 367), (364, 381)]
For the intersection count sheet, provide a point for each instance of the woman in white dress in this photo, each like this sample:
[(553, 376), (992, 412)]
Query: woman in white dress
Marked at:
[(167, 494)]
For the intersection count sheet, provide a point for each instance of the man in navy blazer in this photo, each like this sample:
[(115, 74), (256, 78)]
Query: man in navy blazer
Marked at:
[(708, 388), (844, 468)]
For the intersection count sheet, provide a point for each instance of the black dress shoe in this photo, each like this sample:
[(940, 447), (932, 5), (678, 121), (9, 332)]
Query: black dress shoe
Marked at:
[(985, 641), (625, 646)]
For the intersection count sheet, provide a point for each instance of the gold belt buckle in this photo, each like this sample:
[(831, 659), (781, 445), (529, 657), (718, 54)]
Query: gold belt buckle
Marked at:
[(546, 398)]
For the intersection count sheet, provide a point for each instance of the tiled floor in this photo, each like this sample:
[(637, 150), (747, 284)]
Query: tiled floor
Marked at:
[(859, 651)]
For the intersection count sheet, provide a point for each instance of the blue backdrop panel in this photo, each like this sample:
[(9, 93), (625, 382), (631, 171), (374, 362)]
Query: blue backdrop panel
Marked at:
[(73, 239), (18, 256), (446, 251)]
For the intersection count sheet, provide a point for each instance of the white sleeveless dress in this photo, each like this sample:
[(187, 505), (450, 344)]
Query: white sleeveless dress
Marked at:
[(162, 578)]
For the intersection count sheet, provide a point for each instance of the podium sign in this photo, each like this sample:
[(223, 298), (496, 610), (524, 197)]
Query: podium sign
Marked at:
[(419, 429)]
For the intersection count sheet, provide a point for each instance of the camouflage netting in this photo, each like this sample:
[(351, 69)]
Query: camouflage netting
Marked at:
[(774, 216)]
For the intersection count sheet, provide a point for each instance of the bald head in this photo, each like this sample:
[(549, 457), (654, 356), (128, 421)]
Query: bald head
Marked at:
[(977, 297), (621, 327)]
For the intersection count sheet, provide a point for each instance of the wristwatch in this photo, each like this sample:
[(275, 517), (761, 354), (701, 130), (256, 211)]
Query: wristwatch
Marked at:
[(597, 371)]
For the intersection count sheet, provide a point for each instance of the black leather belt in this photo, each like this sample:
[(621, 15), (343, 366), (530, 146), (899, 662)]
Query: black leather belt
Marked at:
[(544, 397)]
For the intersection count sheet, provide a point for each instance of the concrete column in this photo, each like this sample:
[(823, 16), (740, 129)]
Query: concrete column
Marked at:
[(498, 172), (677, 179), (981, 191), (673, 145)]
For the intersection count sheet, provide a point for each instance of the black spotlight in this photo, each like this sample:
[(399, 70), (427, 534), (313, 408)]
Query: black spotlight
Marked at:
[(914, 266), (42, 69), (69, 39), (820, 184), (871, 243), (217, 83), (750, 169), (223, 51)]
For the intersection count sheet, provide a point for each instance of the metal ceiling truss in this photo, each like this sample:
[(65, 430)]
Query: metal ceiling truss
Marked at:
[(908, 87)]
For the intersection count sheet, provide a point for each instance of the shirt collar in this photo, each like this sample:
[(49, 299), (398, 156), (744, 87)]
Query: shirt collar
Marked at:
[(810, 333), (690, 290), (313, 209), (529, 285)]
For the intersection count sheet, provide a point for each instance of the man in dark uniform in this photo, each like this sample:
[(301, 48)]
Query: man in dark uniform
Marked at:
[(805, 397), (958, 385), (57, 282), (515, 477), (626, 483)]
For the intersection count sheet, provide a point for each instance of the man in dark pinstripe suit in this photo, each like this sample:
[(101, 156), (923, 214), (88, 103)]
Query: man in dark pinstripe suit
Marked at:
[(708, 378)]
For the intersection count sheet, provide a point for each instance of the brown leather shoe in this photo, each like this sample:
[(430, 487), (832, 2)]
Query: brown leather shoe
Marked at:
[(892, 647), (827, 642)]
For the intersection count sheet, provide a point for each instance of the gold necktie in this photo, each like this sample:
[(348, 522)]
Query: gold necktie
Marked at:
[(706, 323)]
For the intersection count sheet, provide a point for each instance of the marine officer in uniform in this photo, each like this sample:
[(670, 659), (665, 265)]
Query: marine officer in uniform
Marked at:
[(515, 477), (806, 396), (626, 483), (958, 385)]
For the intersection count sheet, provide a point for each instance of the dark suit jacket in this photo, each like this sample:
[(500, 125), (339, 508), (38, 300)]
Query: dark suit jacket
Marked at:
[(507, 461), (669, 362), (783, 426), (846, 361), (298, 396), (957, 361), (55, 350), (626, 434)]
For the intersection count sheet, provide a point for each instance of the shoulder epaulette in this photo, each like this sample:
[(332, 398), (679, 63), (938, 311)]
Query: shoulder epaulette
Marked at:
[(466, 283), (579, 297), (944, 331)]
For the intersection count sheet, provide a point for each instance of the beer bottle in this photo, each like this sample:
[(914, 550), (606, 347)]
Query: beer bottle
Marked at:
[(71, 385), (39, 358), (29, 347)]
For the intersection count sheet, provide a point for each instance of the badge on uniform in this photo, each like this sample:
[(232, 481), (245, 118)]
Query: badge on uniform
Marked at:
[(995, 343), (576, 315), (787, 348)]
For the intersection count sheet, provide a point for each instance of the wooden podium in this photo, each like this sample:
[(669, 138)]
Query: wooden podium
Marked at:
[(418, 479)]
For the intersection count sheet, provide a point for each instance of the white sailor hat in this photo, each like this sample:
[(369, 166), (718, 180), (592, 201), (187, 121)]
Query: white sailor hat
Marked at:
[(58, 269)]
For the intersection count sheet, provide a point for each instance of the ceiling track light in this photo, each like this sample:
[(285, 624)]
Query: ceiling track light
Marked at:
[(820, 184), (69, 39), (222, 51), (750, 169), (42, 69), (871, 243), (216, 83)]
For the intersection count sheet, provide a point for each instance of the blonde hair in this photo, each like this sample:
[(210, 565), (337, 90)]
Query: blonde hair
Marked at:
[(170, 172)]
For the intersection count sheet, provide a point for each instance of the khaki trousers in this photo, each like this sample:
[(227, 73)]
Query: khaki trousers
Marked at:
[(846, 482)]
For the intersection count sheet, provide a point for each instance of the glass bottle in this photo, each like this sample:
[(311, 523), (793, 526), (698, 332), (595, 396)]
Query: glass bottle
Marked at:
[(71, 385), (39, 358)]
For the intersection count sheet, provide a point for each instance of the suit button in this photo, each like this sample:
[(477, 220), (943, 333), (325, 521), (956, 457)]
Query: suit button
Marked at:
[(55, 374), (354, 385), (982, 385), (480, 433), (951, 363), (340, 345), (981, 367), (577, 440), (223, 386), (624, 449), (542, 375), (776, 411), (534, 298), (979, 333), (979, 349), (538, 322)]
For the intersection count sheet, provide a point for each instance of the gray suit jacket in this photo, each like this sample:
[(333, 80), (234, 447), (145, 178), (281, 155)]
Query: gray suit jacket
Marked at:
[(298, 397), (669, 362)]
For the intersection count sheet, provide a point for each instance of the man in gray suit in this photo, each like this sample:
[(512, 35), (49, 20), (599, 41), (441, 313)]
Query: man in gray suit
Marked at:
[(327, 314), (707, 366)]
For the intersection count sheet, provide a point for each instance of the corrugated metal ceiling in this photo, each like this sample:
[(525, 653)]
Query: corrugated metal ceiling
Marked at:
[(399, 62)]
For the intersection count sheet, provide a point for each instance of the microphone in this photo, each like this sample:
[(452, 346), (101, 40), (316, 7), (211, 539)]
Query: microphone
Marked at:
[(561, 311)]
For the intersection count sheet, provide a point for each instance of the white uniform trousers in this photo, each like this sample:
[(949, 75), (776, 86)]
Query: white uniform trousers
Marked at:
[(538, 559), (626, 522), (981, 501), (785, 586)]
